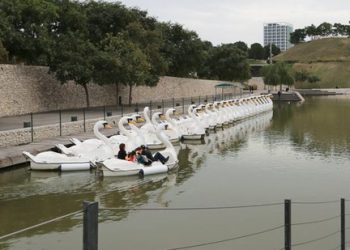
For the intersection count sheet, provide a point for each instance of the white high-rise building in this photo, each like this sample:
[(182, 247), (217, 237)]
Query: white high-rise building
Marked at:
[(278, 34)]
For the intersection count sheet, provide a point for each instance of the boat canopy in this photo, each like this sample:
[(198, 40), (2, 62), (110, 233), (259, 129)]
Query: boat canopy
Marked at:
[(225, 85), (229, 87)]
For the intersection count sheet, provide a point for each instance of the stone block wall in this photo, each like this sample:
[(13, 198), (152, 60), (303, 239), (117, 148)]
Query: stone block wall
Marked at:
[(23, 136), (26, 89)]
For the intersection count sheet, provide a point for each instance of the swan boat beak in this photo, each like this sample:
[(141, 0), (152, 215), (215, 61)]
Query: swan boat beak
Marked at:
[(140, 119), (108, 126)]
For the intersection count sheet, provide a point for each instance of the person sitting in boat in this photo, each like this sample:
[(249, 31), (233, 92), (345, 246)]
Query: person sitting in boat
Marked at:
[(131, 156), (122, 153), (156, 157), (142, 159)]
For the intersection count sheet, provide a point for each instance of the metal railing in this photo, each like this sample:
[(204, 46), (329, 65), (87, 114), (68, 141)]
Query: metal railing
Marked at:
[(91, 210), (33, 120)]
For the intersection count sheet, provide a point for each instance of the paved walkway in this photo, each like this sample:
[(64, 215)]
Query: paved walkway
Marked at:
[(13, 155)]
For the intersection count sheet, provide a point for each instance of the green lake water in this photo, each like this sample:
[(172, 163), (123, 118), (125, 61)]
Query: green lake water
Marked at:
[(299, 152)]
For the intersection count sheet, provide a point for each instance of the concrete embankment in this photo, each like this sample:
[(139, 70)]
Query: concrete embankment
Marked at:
[(31, 89), (11, 156), (287, 97)]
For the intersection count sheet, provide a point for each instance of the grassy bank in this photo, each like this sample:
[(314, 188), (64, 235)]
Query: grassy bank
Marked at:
[(332, 74), (322, 50), (328, 59)]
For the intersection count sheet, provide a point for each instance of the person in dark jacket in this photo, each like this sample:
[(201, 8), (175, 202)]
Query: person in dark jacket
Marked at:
[(122, 153), (142, 158), (156, 157)]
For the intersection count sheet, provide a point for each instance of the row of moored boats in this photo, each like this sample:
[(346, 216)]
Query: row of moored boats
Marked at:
[(158, 132)]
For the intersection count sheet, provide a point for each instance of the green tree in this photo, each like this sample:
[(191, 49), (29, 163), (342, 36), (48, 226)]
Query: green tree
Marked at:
[(182, 49), (26, 29), (278, 74), (285, 75), (3, 54), (270, 75), (297, 36), (104, 18), (311, 31), (72, 17), (72, 59), (125, 64), (301, 76), (242, 45), (324, 29), (275, 51), (204, 69), (228, 63), (146, 34), (256, 51), (339, 29), (313, 79)]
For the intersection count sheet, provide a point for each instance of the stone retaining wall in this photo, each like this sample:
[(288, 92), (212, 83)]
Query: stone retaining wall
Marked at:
[(26, 89), (23, 136)]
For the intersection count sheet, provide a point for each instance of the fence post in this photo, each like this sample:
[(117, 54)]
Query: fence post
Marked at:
[(150, 108), (104, 113), (90, 225), (342, 224), (84, 120), (183, 105), (31, 126), (162, 106), (287, 225), (60, 115), (173, 102)]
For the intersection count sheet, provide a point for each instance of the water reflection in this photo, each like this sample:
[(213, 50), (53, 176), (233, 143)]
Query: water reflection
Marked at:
[(319, 126), (229, 139), (31, 197)]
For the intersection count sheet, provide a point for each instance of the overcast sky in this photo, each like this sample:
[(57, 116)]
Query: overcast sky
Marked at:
[(225, 21)]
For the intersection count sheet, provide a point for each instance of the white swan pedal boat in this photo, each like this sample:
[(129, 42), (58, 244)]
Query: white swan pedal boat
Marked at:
[(117, 167), (55, 161)]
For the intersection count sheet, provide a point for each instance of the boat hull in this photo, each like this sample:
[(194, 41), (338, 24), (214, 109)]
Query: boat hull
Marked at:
[(193, 137), (115, 172), (156, 146), (74, 166)]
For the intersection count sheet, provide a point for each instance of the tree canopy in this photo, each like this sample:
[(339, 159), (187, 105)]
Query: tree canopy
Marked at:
[(278, 74), (109, 43), (3, 53), (274, 51), (323, 30), (256, 51), (227, 62)]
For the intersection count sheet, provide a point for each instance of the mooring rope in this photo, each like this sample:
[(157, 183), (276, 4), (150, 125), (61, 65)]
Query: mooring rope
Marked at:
[(40, 224)]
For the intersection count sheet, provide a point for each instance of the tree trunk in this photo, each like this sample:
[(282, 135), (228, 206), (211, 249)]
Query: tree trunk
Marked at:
[(117, 94), (86, 95), (130, 94)]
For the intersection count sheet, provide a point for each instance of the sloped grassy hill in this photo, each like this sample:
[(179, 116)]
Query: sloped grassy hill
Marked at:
[(329, 59)]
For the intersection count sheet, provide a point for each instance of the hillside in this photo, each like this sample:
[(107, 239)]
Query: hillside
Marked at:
[(322, 50), (328, 59)]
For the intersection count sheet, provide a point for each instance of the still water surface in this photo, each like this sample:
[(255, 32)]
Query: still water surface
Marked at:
[(298, 152)]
